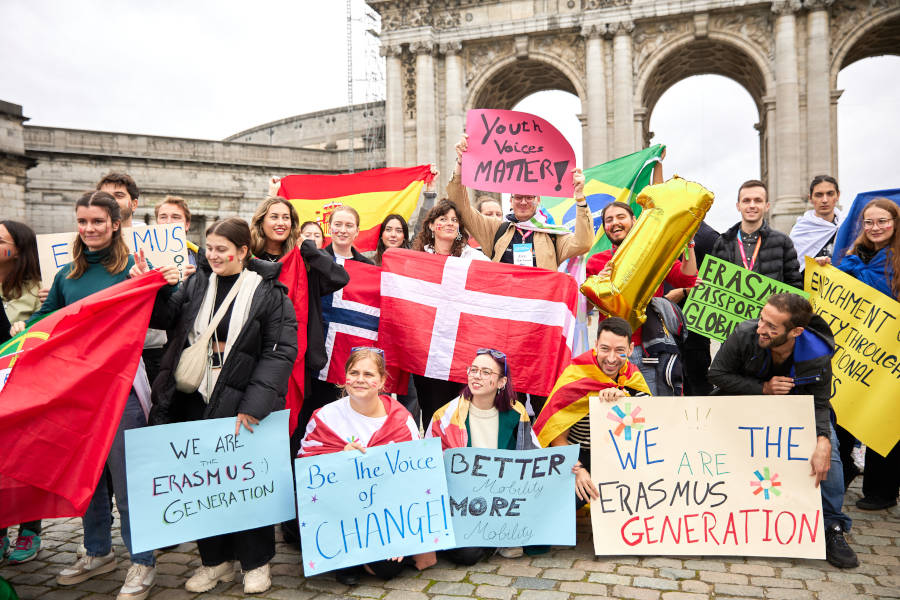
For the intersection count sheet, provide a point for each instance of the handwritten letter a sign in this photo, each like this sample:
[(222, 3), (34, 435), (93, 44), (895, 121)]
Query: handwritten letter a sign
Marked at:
[(194, 480), (516, 152)]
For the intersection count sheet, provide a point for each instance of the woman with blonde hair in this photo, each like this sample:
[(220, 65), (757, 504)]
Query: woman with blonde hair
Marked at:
[(366, 418), (274, 229)]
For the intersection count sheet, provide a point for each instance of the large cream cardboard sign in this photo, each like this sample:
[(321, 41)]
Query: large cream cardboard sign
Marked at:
[(705, 475), (162, 245)]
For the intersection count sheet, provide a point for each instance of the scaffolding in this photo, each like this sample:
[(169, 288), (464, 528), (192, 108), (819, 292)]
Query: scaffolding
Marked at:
[(366, 30)]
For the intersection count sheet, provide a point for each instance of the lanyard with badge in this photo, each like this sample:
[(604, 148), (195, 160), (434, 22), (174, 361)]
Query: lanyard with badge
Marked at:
[(523, 254), (744, 254)]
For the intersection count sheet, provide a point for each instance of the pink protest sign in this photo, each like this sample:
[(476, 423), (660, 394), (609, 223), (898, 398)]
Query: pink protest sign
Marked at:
[(516, 152)]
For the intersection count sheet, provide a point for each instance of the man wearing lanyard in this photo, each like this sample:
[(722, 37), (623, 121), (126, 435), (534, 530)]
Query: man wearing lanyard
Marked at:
[(523, 237), (753, 245)]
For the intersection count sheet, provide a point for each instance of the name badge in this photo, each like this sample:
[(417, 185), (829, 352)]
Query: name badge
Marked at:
[(523, 254)]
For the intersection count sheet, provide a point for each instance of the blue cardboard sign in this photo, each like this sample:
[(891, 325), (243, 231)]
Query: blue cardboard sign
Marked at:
[(504, 498), (193, 480), (356, 507)]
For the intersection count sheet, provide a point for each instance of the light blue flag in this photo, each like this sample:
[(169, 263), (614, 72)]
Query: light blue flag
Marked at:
[(508, 498), (357, 508), (193, 480)]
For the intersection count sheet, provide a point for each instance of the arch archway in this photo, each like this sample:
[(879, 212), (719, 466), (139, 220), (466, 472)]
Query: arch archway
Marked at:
[(721, 54), (512, 79), (877, 36)]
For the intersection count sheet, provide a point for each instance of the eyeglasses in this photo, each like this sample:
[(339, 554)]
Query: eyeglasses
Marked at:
[(495, 354), (882, 223), (372, 348), (476, 372)]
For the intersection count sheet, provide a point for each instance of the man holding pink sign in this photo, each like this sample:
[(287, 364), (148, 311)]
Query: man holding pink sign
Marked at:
[(526, 156)]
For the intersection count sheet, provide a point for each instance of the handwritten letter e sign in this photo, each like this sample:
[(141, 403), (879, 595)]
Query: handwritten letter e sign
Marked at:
[(518, 153), (717, 475), (356, 508), (193, 480), (162, 245)]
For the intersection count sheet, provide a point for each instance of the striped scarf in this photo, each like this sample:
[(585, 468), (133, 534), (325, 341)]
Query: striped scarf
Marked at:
[(569, 401)]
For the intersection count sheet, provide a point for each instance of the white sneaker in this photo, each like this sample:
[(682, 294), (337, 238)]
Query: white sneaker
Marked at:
[(514, 552), (206, 578), (80, 551), (257, 580), (138, 582), (85, 568)]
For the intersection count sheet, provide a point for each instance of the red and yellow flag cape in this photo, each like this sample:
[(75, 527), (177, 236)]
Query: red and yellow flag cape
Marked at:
[(568, 402)]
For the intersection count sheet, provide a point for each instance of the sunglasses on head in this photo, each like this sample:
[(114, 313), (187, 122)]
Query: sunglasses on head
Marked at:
[(372, 348), (495, 354)]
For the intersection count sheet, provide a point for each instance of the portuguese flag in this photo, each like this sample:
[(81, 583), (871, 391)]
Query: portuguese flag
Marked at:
[(374, 194), (64, 383), (621, 179)]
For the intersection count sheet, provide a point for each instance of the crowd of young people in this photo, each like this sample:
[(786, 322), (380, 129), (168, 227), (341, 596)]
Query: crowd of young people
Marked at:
[(231, 303)]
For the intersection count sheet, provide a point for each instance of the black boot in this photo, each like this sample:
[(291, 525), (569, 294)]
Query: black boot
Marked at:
[(837, 551)]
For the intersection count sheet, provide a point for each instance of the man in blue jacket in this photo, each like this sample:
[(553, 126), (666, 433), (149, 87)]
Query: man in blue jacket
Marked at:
[(788, 351)]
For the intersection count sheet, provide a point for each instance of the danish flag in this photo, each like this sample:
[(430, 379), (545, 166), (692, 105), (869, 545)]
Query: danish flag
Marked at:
[(351, 317), (437, 311)]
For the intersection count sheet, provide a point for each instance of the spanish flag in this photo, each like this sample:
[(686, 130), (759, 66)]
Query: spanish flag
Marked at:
[(620, 180), (374, 194), (568, 402)]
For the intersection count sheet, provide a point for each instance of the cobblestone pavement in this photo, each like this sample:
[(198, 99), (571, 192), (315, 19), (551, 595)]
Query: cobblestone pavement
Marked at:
[(565, 573)]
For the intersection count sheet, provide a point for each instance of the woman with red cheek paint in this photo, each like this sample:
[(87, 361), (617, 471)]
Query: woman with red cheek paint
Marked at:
[(101, 259), (251, 355), (21, 279)]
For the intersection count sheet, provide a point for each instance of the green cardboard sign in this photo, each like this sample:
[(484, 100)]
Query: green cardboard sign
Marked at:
[(728, 295)]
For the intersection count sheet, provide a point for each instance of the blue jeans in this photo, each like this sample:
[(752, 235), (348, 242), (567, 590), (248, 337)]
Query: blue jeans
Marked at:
[(833, 489), (648, 371), (97, 520)]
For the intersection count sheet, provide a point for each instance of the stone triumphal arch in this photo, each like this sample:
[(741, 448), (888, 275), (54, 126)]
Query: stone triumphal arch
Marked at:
[(444, 57)]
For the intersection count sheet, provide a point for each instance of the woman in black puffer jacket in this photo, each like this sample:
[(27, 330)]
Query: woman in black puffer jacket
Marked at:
[(252, 355)]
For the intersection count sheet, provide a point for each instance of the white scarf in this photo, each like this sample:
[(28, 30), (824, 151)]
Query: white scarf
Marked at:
[(239, 313), (811, 232)]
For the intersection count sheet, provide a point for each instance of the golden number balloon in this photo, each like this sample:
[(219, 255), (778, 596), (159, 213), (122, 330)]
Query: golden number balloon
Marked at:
[(672, 214)]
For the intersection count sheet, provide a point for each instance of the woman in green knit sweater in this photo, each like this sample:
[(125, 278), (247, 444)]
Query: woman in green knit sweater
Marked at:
[(102, 259)]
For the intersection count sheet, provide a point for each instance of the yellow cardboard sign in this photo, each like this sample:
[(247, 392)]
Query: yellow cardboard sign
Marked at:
[(866, 364)]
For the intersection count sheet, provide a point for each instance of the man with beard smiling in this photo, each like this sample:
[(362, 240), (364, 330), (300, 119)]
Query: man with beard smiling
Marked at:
[(788, 350), (618, 219)]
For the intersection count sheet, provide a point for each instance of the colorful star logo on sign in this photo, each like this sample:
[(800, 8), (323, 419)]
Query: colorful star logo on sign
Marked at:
[(627, 419), (765, 483)]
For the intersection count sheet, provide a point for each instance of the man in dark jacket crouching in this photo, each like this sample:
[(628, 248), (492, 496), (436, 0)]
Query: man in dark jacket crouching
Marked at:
[(788, 351)]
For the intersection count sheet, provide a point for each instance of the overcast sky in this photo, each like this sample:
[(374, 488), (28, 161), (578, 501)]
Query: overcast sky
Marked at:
[(208, 69)]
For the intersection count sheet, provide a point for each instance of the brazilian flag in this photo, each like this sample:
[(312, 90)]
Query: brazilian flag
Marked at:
[(620, 180)]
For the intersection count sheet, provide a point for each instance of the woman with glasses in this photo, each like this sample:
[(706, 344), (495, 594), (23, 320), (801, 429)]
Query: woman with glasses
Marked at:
[(366, 418), (874, 259), (484, 415)]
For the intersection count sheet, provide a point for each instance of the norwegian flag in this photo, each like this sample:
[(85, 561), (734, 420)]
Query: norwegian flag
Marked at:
[(351, 317), (437, 311)]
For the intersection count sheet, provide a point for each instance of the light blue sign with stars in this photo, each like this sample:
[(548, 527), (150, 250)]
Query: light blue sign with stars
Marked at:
[(195, 480), (355, 508)]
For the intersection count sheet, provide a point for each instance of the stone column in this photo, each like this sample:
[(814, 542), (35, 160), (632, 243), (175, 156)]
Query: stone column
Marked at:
[(454, 119), (789, 201), (13, 162), (426, 119), (623, 90), (595, 138), (818, 90), (393, 106)]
